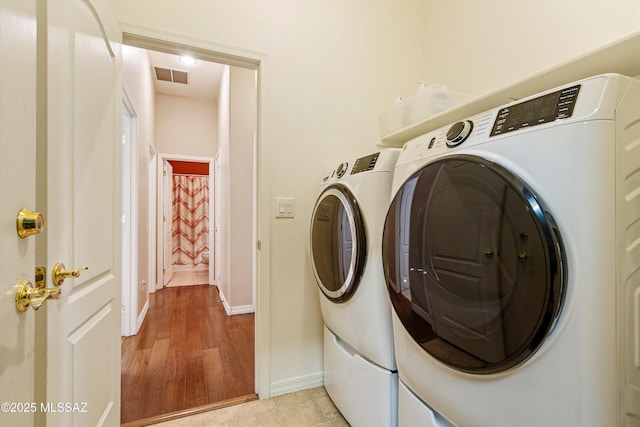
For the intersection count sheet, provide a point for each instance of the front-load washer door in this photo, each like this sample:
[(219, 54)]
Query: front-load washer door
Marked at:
[(338, 243), (474, 264)]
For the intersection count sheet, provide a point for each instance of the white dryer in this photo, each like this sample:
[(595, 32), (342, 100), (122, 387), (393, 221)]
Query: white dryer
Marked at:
[(346, 242), (512, 257)]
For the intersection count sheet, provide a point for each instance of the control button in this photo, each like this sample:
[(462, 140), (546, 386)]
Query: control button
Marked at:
[(459, 132), (341, 169)]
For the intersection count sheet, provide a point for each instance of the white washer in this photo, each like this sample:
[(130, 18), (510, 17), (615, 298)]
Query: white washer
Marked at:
[(512, 258), (346, 239)]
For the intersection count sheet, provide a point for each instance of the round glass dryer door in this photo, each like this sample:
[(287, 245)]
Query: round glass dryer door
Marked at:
[(338, 243), (473, 264)]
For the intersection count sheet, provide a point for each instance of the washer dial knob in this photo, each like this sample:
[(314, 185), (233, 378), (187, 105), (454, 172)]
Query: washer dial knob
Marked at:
[(341, 169), (459, 132)]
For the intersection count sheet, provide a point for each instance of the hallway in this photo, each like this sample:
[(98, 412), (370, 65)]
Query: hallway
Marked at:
[(187, 354)]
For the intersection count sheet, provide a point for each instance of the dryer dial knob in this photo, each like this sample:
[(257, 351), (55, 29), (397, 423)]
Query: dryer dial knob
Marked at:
[(459, 132), (341, 169)]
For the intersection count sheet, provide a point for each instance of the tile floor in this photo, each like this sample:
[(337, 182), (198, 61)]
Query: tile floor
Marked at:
[(189, 277), (307, 408)]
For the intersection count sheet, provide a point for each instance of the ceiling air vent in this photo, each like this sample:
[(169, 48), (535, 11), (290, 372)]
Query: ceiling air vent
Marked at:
[(168, 75)]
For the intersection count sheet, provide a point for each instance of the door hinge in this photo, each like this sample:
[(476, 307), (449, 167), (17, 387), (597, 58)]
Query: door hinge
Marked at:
[(259, 244), (164, 271), (164, 173)]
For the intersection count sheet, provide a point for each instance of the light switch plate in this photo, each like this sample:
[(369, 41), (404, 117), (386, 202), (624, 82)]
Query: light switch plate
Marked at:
[(285, 207)]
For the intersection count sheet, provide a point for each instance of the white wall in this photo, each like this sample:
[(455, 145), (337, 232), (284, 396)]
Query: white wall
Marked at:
[(237, 118), (330, 68), (478, 46), (186, 126), (242, 127), (224, 184), (139, 87)]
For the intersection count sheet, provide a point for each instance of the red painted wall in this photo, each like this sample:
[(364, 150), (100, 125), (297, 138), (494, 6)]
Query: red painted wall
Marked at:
[(190, 168)]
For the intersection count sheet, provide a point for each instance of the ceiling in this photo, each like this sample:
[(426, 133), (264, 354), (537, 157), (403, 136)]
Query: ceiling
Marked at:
[(203, 77)]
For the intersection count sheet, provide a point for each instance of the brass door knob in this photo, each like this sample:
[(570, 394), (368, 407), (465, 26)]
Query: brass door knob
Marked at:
[(29, 223), (29, 296)]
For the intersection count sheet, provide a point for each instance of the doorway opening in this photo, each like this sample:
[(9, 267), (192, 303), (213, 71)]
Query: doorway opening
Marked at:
[(185, 205), (219, 177)]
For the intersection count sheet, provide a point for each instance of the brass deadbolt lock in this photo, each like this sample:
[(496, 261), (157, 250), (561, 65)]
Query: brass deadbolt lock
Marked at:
[(29, 223)]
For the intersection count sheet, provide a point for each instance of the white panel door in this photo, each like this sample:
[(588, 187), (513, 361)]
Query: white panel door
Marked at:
[(17, 190), (167, 222), (83, 213)]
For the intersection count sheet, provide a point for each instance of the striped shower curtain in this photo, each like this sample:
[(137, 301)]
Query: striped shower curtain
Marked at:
[(190, 221)]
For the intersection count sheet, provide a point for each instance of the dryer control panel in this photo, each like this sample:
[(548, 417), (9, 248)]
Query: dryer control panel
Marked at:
[(536, 111)]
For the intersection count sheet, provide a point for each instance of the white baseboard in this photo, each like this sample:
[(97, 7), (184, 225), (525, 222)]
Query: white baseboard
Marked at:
[(297, 384), (239, 309), (143, 314), (227, 309), (242, 309)]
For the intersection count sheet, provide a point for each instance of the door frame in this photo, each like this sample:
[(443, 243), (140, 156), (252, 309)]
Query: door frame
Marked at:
[(164, 219), (130, 322), (151, 203), (162, 157), (214, 276), (146, 38)]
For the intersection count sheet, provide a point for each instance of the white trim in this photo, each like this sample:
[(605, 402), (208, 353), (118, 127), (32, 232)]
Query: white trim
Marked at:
[(255, 218), (292, 385), (243, 309), (227, 309), (152, 224), (155, 39), (143, 314), (212, 221), (147, 38), (185, 158), (239, 309), (214, 273), (130, 324), (160, 231)]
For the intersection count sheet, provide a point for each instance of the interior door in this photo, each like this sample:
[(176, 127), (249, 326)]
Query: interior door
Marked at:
[(17, 190), (167, 223), (83, 208)]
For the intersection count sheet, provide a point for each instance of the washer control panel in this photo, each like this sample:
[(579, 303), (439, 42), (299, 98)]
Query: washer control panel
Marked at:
[(470, 131), (364, 164), (341, 169)]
